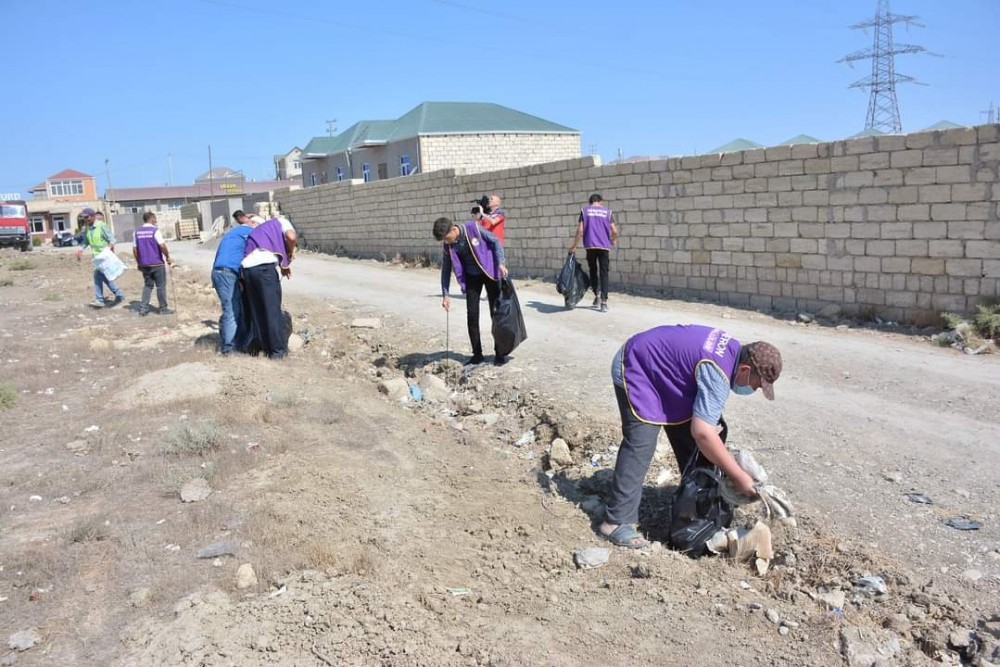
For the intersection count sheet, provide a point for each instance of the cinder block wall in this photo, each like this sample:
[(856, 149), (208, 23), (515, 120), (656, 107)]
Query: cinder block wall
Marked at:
[(900, 226)]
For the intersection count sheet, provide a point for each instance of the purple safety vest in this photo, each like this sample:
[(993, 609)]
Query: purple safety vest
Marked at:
[(480, 252), (596, 227), (146, 246), (658, 368)]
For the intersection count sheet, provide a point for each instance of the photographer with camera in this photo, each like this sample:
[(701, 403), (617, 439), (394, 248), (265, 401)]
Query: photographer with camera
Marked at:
[(490, 215)]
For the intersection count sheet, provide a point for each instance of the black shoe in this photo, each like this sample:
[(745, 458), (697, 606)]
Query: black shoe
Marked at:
[(597, 301), (143, 313), (117, 300), (166, 311), (475, 360), (500, 361)]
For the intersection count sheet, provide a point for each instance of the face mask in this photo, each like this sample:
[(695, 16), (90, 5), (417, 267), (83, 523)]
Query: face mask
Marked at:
[(743, 389)]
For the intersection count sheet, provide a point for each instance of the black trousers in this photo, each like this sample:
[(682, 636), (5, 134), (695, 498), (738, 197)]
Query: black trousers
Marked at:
[(263, 301), (599, 258), (473, 289), (636, 453)]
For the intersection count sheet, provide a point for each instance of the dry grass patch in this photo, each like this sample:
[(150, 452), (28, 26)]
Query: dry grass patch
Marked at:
[(197, 439), (8, 396), (21, 265)]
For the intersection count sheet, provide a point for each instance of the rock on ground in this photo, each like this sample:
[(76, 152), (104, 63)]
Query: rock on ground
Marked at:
[(397, 389), (435, 389), (366, 323), (864, 647), (295, 343), (591, 557), (140, 597), (559, 454), (195, 490), (245, 577), (23, 640)]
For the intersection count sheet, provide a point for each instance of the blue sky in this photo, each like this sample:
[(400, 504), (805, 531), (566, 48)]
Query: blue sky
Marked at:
[(133, 81)]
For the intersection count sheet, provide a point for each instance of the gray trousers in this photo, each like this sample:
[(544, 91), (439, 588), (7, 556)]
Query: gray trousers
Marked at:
[(636, 453), (153, 276)]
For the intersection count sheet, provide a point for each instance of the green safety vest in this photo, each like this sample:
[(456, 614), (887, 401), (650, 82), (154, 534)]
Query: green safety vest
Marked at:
[(95, 237)]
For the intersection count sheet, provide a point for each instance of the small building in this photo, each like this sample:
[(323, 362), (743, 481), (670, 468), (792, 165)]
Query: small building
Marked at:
[(57, 201), (219, 183), (288, 167), (470, 137)]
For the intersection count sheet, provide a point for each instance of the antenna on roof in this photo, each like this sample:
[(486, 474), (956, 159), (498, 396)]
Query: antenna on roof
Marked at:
[(331, 127), (990, 114)]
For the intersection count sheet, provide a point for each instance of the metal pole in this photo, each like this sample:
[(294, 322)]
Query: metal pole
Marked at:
[(107, 174)]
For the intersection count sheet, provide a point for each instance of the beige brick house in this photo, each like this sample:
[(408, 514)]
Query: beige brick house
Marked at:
[(469, 137)]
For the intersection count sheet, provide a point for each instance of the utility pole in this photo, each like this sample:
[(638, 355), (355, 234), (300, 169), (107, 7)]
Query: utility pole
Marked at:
[(883, 107), (990, 114), (331, 127), (170, 167), (211, 177), (107, 174)]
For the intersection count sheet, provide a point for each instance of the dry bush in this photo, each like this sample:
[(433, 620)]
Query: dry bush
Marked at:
[(21, 265), (88, 529), (8, 396), (192, 440)]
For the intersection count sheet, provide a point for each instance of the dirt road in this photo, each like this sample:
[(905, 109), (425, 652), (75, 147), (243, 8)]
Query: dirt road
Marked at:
[(384, 532), (854, 406)]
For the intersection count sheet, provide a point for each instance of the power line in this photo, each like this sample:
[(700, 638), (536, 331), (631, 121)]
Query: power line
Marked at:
[(883, 107)]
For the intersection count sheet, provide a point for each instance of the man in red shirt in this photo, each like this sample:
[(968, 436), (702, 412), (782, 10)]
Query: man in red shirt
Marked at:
[(493, 221)]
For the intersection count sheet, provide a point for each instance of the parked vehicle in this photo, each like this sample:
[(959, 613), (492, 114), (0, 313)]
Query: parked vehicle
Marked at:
[(63, 238), (14, 229)]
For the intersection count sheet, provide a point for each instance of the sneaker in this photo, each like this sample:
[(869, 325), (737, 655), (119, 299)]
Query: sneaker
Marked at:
[(604, 306), (475, 360), (597, 302), (97, 303), (116, 301), (166, 311)]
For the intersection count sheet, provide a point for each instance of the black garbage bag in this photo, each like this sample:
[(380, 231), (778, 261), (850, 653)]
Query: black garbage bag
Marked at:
[(572, 282), (508, 322), (698, 510)]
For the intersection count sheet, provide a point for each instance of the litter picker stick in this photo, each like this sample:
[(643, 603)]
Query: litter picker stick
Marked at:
[(173, 289), (447, 339)]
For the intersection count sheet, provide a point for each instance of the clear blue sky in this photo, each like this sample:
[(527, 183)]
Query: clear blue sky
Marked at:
[(134, 81)]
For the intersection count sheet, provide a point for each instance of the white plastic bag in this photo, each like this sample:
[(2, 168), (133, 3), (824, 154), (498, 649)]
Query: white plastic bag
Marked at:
[(108, 263)]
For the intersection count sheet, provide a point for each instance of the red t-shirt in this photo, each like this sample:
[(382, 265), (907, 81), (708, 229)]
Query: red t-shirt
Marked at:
[(495, 226)]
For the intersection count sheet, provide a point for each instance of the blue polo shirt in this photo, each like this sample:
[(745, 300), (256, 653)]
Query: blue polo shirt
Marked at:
[(229, 254)]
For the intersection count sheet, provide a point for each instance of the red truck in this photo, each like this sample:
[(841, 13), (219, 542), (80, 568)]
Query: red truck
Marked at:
[(14, 230)]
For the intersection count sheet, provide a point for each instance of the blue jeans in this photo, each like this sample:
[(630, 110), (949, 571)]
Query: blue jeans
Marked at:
[(100, 280), (225, 282)]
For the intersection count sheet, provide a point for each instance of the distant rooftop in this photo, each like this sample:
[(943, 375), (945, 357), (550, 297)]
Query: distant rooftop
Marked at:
[(430, 118)]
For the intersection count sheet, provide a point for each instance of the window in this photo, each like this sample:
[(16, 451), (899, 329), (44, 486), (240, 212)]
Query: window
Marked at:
[(312, 179), (383, 171), (12, 211), (37, 224), (297, 164), (340, 174), (135, 209), (59, 223), (404, 165), (65, 188), (366, 172)]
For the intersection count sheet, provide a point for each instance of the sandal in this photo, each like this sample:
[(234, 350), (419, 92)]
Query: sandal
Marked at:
[(625, 536)]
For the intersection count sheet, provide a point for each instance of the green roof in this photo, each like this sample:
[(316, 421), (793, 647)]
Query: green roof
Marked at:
[(869, 132), (800, 139), (942, 125), (435, 118), (736, 145)]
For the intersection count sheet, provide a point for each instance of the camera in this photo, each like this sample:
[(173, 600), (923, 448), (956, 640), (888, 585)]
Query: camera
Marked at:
[(482, 205)]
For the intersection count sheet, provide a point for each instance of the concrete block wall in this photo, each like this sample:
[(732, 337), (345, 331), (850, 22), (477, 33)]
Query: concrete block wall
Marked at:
[(901, 226), (470, 154)]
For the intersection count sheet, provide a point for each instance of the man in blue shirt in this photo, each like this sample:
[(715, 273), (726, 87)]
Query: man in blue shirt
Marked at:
[(225, 276)]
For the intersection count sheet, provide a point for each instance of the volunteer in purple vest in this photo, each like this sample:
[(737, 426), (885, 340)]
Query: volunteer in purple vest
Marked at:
[(268, 250), (679, 378), (599, 233), (477, 258), (152, 256)]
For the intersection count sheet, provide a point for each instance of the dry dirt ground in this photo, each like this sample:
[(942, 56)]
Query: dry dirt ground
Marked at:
[(389, 532)]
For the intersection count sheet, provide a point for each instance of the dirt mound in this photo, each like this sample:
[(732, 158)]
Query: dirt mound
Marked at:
[(187, 381)]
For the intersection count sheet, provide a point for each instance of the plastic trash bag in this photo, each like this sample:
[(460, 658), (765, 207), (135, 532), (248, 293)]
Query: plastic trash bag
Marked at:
[(108, 263), (508, 322), (572, 282)]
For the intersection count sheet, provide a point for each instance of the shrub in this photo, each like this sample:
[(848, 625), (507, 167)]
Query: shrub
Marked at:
[(21, 265), (192, 439), (987, 320), (8, 396)]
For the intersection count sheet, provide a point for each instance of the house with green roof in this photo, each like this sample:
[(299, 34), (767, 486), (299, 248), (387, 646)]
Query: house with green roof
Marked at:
[(469, 137)]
